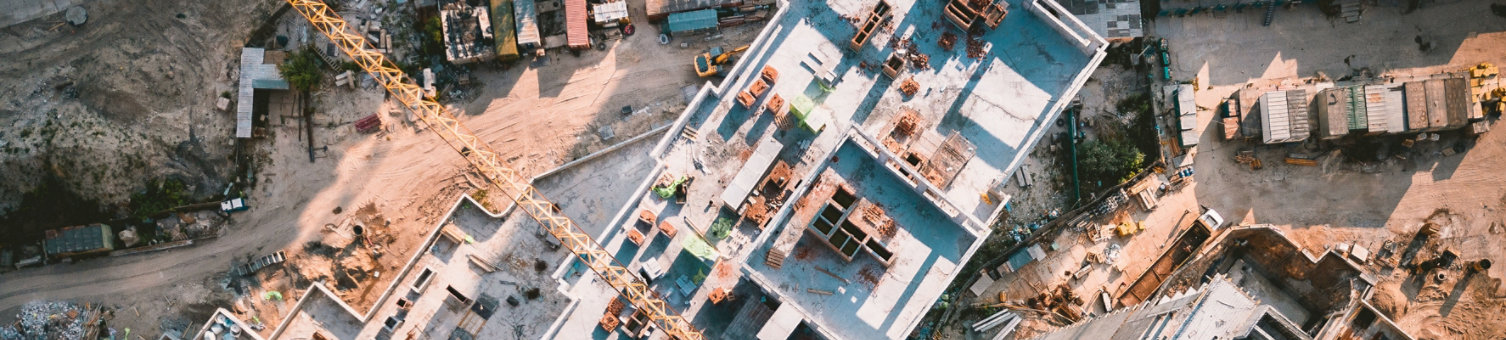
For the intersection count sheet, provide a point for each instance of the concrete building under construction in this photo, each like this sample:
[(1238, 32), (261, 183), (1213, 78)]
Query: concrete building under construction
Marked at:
[(1252, 283), (810, 194)]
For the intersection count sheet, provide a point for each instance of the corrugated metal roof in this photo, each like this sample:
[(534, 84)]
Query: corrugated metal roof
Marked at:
[(691, 21), (752, 170), (1274, 115), (1456, 98), (1189, 138), (1284, 116), (80, 239), (1358, 118), (1296, 103), (1395, 108), (576, 33), (1333, 113), (1437, 108), (1375, 109), (1186, 100), (610, 11), (527, 22), (252, 70), (660, 9), (1417, 106), (503, 29)]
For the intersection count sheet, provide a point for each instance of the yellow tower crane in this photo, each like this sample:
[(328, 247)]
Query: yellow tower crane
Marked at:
[(491, 166)]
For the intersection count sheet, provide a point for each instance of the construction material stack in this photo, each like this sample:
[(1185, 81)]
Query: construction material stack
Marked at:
[(871, 23), (966, 13)]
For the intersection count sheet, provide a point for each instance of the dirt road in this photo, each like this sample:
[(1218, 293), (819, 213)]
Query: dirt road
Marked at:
[(538, 115)]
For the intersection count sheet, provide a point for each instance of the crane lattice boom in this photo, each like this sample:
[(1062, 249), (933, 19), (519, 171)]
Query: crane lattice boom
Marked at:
[(499, 174)]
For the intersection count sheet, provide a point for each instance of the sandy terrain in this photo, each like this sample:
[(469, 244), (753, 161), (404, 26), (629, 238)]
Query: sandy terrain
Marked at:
[(1365, 203), (539, 116), (127, 97)]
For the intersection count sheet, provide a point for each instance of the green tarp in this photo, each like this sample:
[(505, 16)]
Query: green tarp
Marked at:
[(804, 109), (698, 247)]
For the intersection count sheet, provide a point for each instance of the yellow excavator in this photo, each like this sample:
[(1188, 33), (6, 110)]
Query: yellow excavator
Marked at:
[(710, 63)]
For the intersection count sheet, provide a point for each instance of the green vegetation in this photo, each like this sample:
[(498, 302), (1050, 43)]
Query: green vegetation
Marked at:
[(721, 228), (159, 196), (700, 276), (351, 66), (1142, 129), (665, 192), (433, 39), (301, 69), (1105, 163), (480, 196)]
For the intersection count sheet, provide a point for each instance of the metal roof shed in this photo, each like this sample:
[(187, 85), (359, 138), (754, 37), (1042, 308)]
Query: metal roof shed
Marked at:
[(79, 240), (691, 21), (1437, 108), (255, 74), (1279, 123), (747, 177), (661, 9), (527, 21), (577, 36), (1375, 109), (1333, 113), (1417, 106), (1355, 101), (609, 14), (1186, 102), (1456, 97), (1393, 109)]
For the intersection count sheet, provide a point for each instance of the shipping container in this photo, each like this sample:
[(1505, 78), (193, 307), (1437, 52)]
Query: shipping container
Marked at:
[(1437, 104), (1189, 138), (1276, 125), (659, 10), (577, 33), (1395, 108), (527, 22), (1457, 100), (1417, 106), (693, 21), (503, 30), (1358, 118), (79, 240), (1375, 109), (1333, 113), (609, 14), (1296, 103), (1186, 100)]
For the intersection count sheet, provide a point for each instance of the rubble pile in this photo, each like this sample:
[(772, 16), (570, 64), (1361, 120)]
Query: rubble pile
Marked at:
[(46, 320), (976, 47)]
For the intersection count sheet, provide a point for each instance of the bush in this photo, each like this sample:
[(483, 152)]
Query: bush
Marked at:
[(301, 69), (721, 228), (1107, 163), (159, 196)]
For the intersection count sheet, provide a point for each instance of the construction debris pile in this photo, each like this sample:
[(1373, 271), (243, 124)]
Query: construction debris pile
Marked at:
[(50, 320), (909, 87)]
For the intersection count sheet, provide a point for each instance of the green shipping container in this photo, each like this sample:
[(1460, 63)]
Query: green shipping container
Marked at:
[(504, 30), (79, 240)]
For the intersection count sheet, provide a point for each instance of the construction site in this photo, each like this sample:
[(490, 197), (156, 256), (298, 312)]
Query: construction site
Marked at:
[(852, 169)]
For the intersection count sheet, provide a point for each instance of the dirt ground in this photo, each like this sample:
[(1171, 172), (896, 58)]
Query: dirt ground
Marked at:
[(1349, 200), (539, 115), (99, 109)]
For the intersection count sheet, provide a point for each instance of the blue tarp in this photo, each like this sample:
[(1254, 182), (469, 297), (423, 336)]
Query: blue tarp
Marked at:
[(691, 21)]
